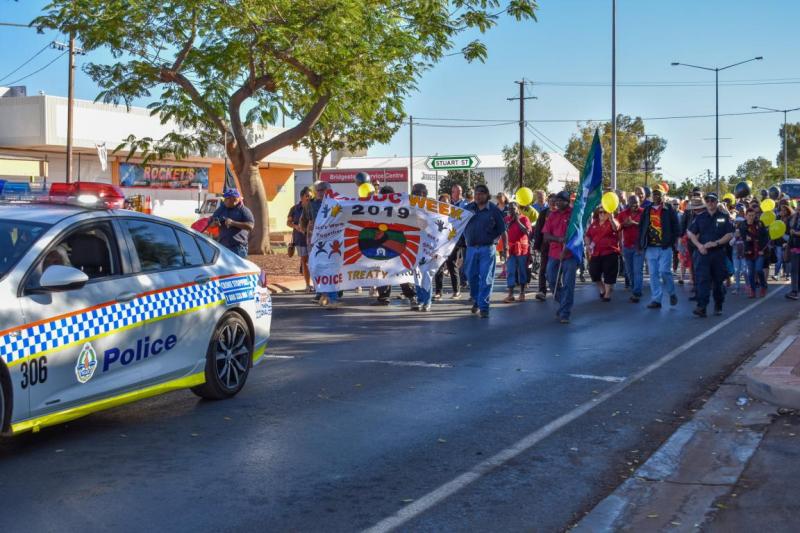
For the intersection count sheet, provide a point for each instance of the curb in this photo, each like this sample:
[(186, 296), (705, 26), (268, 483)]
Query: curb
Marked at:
[(775, 377)]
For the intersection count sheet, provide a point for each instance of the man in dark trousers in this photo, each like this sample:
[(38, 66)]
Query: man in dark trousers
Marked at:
[(710, 232), (542, 247), (658, 232), (482, 233)]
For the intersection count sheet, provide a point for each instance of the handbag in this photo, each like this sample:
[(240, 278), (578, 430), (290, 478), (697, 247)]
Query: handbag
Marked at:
[(290, 250)]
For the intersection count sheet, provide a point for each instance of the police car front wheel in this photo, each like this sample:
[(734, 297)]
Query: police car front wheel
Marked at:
[(2, 406), (228, 359)]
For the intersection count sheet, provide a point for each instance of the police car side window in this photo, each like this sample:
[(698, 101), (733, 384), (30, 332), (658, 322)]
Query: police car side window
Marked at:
[(91, 249), (208, 250), (155, 244), (191, 252)]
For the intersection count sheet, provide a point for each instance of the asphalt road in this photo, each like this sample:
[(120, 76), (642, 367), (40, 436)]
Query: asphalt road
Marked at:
[(365, 412)]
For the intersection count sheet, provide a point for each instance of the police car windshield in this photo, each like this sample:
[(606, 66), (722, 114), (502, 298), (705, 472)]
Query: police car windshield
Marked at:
[(792, 189), (16, 238)]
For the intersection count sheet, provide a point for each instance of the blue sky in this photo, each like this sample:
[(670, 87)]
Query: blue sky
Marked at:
[(571, 42)]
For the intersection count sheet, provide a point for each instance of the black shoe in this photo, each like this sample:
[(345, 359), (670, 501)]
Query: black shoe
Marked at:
[(635, 299), (692, 298), (380, 301), (673, 299), (654, 305), (474, 309), (484, 314), (717, 310), (700, 312)]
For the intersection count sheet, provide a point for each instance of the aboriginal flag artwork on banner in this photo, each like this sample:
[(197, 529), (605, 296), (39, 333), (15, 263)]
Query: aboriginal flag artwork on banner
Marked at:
[(384, 239)]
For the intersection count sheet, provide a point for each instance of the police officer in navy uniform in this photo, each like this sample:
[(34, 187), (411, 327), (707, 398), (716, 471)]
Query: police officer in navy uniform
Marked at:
[(710, 232)]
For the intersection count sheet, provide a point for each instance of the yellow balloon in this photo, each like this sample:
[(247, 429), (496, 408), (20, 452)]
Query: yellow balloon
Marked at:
[(610, 202), (777, 229), (365, 189), (729, 196), (531, 213), (749, 184), (524, 196), (767, 204), (768, 217)]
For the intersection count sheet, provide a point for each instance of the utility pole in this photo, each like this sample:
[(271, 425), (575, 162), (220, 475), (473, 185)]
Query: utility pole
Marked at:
[(70, 95), (613, 94), (70, 101), (410, 152), (521, 99), (785, 136)]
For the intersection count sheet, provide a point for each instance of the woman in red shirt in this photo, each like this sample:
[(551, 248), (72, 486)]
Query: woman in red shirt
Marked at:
[(515, 241), (602, 240)]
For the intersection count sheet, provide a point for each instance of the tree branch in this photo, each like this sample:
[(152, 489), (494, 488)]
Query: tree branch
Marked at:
[(294, 134), (313, 78), (170, 76), (176, 66), (245, 91)]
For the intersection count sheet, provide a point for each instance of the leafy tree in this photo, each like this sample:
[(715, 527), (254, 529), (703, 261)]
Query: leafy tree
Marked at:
[(536, 172), (760, 171), (466, 178), (219, 69), (793, 146), (632, 150), (353, 123)]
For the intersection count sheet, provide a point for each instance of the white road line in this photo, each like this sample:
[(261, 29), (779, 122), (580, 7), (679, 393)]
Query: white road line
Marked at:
[(774, 354), (453, 486), (610, 379), (278, 357), (402, 363)]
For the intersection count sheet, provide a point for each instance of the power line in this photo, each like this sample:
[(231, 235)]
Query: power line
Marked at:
[(34, 56), (570, 120), (772, 81), (59, 56)]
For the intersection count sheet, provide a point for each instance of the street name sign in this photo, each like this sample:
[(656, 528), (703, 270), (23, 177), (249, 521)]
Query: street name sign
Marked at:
[(452, 162)]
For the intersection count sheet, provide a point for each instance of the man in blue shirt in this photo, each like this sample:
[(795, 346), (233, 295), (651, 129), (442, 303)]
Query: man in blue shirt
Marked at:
[(235, 223), (483, 231)]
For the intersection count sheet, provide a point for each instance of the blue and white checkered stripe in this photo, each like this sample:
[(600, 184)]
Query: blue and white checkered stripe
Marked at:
[(73, 329)]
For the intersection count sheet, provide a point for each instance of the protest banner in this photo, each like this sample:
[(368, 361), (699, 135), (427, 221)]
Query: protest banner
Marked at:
[(383, 239)]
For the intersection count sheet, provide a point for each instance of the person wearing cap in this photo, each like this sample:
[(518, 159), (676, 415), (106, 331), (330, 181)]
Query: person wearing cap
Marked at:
[(561, 264), (542, 247), (710, 232), (633, 257), (482, 233), (658, 231), (235, 223)]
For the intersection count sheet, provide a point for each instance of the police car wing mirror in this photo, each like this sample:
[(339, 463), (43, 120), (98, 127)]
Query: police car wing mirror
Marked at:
[(62, 278)]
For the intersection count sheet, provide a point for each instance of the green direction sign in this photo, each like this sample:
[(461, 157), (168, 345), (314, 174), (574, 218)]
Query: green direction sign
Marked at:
[(452, 162)]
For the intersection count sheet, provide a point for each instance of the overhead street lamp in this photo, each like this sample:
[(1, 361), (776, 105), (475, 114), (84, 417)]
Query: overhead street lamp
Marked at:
[(785, 136), (716, 71)]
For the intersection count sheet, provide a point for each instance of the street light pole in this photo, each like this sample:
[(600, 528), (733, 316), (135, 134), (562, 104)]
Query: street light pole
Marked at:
[(613, 94), (716, 85), (785, 136)]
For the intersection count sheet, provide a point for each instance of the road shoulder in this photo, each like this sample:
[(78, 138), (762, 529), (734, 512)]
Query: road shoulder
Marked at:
[(694, 479)]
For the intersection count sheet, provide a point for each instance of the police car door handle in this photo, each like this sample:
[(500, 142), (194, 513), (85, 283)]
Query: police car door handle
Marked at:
[(126, 296), (202, 279)]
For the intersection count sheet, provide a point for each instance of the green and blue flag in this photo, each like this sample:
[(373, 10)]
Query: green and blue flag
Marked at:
[(590, 194)]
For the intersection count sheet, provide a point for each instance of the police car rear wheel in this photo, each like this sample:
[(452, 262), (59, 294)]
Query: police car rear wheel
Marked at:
[(228, 359)]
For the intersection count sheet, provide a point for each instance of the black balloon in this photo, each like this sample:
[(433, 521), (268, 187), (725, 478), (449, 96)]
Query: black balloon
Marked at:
[(361, 178), (742, 190), (764, 194), (774, 192)]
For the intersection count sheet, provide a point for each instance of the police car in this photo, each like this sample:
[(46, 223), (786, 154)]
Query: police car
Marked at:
[(101, 307)]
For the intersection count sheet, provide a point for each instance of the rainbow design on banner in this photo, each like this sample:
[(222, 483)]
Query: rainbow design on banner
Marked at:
[(381, 242)]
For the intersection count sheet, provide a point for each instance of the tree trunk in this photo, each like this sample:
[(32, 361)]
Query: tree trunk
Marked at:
[(255, 198)]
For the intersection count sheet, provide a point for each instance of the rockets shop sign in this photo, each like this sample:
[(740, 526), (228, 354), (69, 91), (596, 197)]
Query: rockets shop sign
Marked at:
[(382, 175), (162, 176), (385, 239)]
